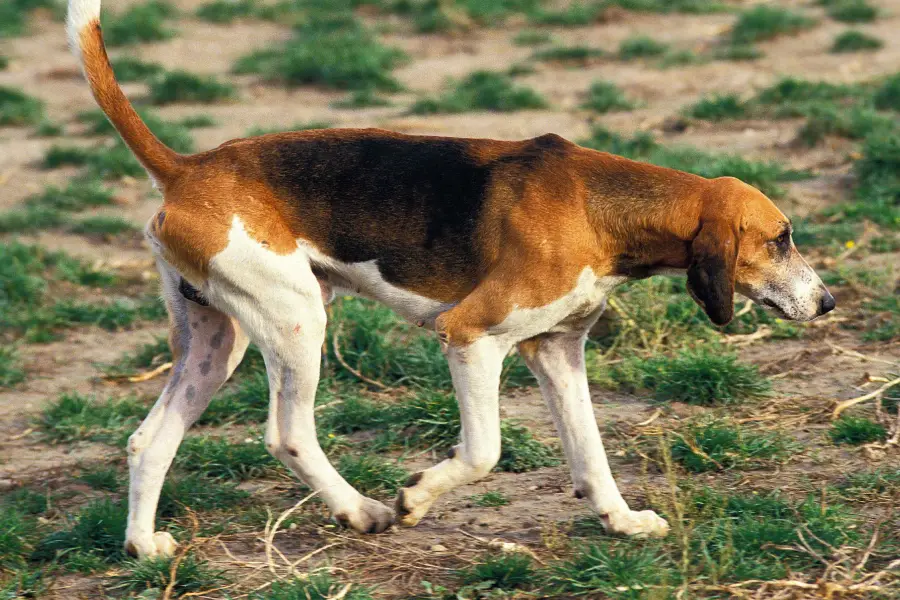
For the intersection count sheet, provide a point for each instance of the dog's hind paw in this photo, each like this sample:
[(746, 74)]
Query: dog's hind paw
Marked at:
[(161, 544), (638, 524), (371, 517)]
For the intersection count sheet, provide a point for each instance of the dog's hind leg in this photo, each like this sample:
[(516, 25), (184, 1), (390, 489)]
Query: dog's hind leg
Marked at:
[(206, 345), (557, 360)]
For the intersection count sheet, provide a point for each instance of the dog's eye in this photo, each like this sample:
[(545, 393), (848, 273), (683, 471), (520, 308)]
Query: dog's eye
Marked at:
[(784, 239)]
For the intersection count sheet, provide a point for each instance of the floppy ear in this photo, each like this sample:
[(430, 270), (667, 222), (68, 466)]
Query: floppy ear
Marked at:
[(710, 276)]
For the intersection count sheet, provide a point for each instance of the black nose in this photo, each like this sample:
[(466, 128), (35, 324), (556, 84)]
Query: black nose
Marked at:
[(826, 304)]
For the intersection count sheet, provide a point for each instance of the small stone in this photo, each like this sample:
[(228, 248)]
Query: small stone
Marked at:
[(438, 548), (533, 488)]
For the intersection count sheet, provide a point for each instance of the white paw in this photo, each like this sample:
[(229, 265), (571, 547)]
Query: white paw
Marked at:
[(371, 516), (413, 501), (161, 544), (639, 524)]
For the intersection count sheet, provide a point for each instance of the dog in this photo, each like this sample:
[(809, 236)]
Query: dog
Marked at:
[(493, 245)]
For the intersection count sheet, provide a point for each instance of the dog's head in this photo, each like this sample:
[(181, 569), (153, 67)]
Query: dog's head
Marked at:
[(744, 244)]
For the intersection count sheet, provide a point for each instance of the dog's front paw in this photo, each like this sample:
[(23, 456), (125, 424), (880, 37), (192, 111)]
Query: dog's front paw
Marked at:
[(639, 524), (371, 516), (160, 544), (413, 502)]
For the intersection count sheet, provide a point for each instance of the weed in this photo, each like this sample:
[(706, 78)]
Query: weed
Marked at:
[(11, 371), (140, 23), (18, 108), (317, 586), (573, 55), (719, 107), (807, 233), (764, 176), (604, 96), (336, 57), (226, 11), (735, 51), (181, 86), (764, 22), (520, 452), (75, 197), (681, 6), (482, 90), (508, 571), (355, 413), (430, 418), (61, 156), (73, 417), (295, 127), (27, 501), (856, 430), (22, 583), (220, 458), (365, 98), (856, 122), (856, 41), (887, 96), (182, 491), (116, 315), (174, 134), (859, 486), (371, 474), (532, 37), (851, 11), (92, 537), (129, 68), (701, 376), (878, 181), (490, 499), (16, 538), (103, 226), (887, 323), (791, 90), (104, 478), (641, 47), (245, 402), (191, 574), (719, 444), (616, 572)]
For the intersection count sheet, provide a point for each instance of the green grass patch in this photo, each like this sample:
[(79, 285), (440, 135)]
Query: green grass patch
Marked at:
[(532, 37), (371, 474), (129, 68), (14, 15), (317, 586), (616, 572), (74, 417), (90, 538), (886, 324), (190, 574), (218, 457), (737, 52), (75, 197), (16, 538), (856, 431), (763, 175), (27, 501), (641, 46), (11, 369), (181, 86), (866, 484), (365, 98), (764, 22), (706, 376), (142, 23), (482, 90), (570, 55), (18, 108), (520, 451), (183, 491), (576, 14), (850, 11), (304, 126), (494, 574), (490, 499), (719, 444), (338, 57), (104, 226), (226, 11), (719, 107), (855, 41), (101, 477), (887, 95), (605, 96), (144, 357)]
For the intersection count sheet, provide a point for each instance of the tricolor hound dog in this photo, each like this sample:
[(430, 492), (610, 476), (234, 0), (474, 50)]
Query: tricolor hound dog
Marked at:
[(492, 244)]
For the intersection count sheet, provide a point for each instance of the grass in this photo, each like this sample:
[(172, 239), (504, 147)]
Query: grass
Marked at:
[(604, 96), (27, 501), (734, 51), (226, 11), (576, 14), (887, 96), (705, 376), (101, 477), (490, 499), (886, 326), (181, 86), (348, 57), (497, 573), (641, 47), (482, 90), (217, 457), (183, 491), (719, 444), (14, 15), (145, 356), (16, 538), (18, 108), (104, 226), (190, 575), (616, 572), (571, 55), (75, 197), (764, 22), (719, 107), (850, 11), (142, 23), (856, 431), (521, 452), (11, 371), (129, 69), (855, 41), (532, 37), (365, 98), (295, 127), (371, 474), (763, 175), (865, 484), (91, 537), (315, 586), (73, 417)]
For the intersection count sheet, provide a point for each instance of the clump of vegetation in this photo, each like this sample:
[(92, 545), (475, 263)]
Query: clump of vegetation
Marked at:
[(866, 484), (129, 68), (532, 37), (101, 477), (856, 430), (703, 376), (856, 41), (482, 90), (719, 444), (191, 574), (850, 11), (764, 22), (317, 586), (141, 23), (371, 474), (347, 57), (719, 107), (11, 371), (93, 536), (181, 86), (103, 226), (18, 108), (520, 452), (365, 98), (572, 55), (184, 491), (16, 538), (73, 416), (219, 458), (226, 11), (14, 15), (576, 14), (641, 47), (604, 96), (506, 572), (490, 499), (608, 570), (733, 51), (295, 127)]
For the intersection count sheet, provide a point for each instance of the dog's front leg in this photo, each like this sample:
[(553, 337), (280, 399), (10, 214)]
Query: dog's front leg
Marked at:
[(206, 345)]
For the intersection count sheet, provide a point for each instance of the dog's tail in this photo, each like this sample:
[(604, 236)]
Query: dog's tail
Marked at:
[(86, 41)]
